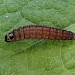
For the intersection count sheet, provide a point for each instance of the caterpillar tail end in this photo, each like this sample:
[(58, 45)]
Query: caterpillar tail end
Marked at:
[(73, 36)]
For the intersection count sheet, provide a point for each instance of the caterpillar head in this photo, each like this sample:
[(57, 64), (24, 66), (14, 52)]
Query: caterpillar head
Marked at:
[(9, 37)]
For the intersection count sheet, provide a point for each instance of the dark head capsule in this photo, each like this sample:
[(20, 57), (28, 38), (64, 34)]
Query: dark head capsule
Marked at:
[(9, 37)]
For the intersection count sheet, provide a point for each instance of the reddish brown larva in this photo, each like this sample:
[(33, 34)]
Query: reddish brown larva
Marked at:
[(39, 32)]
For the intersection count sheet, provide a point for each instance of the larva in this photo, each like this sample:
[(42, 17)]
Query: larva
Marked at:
[(39, 32)]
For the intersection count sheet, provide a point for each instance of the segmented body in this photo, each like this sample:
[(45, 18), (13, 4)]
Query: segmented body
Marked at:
[(41, 32)]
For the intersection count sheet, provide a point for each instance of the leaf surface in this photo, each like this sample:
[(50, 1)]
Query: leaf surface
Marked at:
[(37, 57)]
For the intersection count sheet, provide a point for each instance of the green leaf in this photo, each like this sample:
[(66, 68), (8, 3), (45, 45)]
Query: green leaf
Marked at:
[(37, 57)]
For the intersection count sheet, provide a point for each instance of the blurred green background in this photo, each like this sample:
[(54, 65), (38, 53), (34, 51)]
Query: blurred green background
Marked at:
[(37, 57)]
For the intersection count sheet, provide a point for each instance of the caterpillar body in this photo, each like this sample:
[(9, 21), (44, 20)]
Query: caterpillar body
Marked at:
[(39, 32)]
